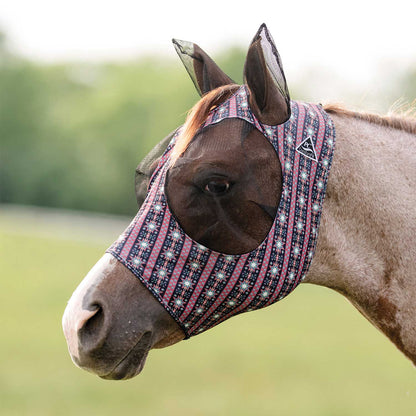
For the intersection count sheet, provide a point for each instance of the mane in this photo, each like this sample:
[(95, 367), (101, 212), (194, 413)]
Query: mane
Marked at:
[(197, 116), (405, 121)]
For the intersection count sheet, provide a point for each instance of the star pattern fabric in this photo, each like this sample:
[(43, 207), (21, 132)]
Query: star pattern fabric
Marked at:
[(200, 287)]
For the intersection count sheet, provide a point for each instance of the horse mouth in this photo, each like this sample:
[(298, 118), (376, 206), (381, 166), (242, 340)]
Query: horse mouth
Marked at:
[(132, 363)]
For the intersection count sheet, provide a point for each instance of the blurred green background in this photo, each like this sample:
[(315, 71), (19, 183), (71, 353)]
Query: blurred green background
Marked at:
[(71, 135), (310, 354)]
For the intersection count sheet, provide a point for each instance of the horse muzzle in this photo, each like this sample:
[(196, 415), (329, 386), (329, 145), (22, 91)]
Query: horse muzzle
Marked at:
[(112, 321), (102, 338)]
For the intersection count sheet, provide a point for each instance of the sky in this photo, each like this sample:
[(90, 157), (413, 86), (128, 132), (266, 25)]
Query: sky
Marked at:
[(351, 41)]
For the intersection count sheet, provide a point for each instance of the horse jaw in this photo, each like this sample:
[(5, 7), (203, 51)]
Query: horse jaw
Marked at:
[(112, 321)]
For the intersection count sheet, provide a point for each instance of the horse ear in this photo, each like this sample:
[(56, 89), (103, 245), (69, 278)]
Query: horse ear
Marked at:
[(263, 73), (204, 72)]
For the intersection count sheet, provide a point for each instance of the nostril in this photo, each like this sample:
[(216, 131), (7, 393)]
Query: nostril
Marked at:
[(90, 332), (93, 324), (79, 322), (86, 316)]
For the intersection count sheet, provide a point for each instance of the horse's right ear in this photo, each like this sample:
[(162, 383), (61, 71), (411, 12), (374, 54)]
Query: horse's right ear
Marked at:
[(263, 73), (204, 72)]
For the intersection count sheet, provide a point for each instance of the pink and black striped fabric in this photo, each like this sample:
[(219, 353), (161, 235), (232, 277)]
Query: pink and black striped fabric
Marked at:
[(201, 288)]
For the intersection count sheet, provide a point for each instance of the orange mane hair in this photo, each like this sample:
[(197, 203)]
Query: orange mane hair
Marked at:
[(405, 121), (197, 116), (199, 113)]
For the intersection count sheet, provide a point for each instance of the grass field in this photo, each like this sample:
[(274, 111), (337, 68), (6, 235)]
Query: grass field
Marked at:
[(311, 354)]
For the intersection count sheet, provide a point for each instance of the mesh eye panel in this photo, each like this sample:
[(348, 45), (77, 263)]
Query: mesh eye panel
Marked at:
[(200, 287)]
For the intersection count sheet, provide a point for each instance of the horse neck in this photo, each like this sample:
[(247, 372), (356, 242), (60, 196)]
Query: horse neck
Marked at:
[(366, 245)]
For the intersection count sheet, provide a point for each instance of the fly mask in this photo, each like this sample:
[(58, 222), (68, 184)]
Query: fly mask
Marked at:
[(200, 287)]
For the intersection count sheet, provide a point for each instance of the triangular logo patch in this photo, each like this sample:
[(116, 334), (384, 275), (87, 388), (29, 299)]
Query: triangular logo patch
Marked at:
[(307, 149)]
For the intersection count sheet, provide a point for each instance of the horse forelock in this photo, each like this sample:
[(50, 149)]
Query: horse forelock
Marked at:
[(404, 120), (198, 115)]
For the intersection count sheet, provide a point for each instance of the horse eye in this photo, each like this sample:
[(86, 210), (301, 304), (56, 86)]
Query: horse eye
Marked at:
[(217, 187)]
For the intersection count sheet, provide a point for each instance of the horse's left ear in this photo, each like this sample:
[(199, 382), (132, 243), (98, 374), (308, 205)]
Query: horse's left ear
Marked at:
[(263, 73), (204, 72)]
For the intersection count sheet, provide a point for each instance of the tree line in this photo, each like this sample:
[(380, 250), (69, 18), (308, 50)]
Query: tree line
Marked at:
[(71, 134)]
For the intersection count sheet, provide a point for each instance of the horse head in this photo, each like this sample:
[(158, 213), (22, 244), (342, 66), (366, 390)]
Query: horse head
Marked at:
[(205, 244)]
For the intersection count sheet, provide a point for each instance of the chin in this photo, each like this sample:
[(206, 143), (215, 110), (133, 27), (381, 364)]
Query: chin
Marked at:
[(129, 367)]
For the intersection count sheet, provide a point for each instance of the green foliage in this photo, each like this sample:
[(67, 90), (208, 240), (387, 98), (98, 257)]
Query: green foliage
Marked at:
[(310, 354), (72, 134), (407, 87)]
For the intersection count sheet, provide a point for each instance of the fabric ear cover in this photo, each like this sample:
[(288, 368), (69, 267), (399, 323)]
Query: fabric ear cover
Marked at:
[(263, 73), (204, 72)]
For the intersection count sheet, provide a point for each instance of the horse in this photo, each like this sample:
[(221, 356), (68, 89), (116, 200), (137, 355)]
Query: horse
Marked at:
[(223, 185)]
